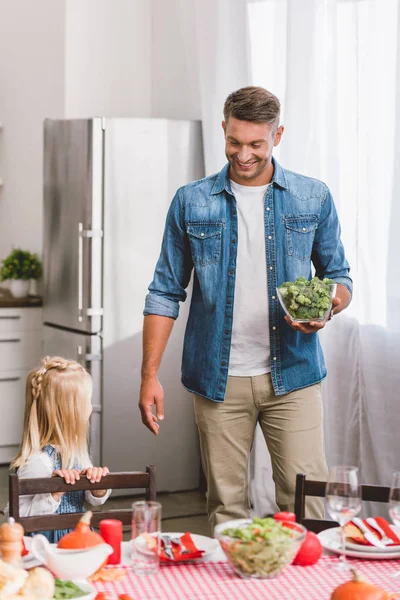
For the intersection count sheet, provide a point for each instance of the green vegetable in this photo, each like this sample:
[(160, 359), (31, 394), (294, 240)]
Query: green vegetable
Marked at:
[(260, 549), (307, 300), (20, 264), (67, 589), (260, 529)]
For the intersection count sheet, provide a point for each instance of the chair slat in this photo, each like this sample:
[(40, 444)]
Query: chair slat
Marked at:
[(113, 481), (126, 480), (306, 487)]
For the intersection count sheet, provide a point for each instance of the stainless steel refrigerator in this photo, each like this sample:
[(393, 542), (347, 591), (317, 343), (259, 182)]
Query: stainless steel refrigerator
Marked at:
[(108, 184)]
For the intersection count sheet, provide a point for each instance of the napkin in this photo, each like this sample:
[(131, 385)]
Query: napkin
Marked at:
[(24, 551), (355, 534), (187, 541)]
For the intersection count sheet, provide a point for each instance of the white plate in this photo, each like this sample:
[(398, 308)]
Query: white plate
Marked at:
[(202, 542), (330, 540)]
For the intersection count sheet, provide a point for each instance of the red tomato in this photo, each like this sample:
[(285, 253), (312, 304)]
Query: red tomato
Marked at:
[(125, 597), (102, 596), (310, 551), (285, 516)]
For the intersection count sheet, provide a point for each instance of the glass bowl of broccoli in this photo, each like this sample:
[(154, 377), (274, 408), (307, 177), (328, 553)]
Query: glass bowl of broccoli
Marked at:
[(305, 301)]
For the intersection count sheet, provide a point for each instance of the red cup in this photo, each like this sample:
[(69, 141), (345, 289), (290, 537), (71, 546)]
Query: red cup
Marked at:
[(111, 532)]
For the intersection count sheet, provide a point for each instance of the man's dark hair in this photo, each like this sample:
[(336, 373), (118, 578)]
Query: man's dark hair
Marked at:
[(253, 104)]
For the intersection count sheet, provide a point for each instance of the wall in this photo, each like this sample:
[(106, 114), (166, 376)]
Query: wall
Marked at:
[(31, 87), (108, 58), (175, 81), (64, 58), (81, 58)]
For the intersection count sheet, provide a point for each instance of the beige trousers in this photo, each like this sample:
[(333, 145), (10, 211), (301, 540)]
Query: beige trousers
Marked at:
[(292, 428)]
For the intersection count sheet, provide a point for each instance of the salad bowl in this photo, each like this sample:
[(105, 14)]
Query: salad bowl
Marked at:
[(260, 548)]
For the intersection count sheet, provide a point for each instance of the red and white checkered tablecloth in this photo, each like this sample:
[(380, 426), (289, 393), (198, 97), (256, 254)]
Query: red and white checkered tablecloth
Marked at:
[(209, 580)]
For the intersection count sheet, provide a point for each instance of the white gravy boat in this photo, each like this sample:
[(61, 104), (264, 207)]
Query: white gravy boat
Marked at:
[(69, 564)]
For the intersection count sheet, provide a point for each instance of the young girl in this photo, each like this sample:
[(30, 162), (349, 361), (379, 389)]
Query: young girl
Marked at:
[(54, 441)]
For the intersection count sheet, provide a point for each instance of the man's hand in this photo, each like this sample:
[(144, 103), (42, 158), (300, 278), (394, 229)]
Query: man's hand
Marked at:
[(313, 326), (151, 393)]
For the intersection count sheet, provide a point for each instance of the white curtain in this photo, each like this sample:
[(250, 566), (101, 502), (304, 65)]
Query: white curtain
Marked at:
[(334, 65)]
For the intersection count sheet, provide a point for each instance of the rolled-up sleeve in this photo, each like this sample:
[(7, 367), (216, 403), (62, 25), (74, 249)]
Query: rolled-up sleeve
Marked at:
[(174, 266), (328, 253)]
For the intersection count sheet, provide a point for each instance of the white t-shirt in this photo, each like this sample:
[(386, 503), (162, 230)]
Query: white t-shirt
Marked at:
[(250, 348)]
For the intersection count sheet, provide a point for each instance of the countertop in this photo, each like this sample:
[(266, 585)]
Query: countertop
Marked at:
[(8, 301)]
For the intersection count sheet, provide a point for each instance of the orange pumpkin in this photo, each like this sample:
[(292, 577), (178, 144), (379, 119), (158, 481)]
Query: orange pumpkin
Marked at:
[(82, 536), (356, 589)]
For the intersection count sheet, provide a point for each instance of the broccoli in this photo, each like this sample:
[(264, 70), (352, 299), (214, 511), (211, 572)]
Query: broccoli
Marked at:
[(307, 300)]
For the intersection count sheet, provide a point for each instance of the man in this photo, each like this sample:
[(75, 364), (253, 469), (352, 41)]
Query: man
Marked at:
[(245, 231)]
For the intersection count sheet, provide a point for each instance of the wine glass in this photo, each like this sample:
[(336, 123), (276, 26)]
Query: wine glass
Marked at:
[(343, 495), (394, 504)]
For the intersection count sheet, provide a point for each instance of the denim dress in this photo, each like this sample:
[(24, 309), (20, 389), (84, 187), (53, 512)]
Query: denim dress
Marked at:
[(71, 502)]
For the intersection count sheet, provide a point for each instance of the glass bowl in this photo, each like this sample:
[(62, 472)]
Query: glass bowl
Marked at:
[(259, 559), (286, 300)]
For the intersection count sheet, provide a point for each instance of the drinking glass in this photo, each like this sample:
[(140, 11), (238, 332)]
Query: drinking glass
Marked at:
[(394, 504), (146, 537), (343, 495)]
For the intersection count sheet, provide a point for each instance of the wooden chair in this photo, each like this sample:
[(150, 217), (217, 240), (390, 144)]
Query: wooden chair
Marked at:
[(129, 480), (306, 487)]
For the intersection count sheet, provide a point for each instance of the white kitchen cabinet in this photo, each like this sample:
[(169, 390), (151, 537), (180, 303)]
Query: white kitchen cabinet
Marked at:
[(20, 350)]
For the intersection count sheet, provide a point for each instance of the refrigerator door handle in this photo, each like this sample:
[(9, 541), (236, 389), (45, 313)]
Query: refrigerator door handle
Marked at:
[(80, 272), (85, 233), (84, 357)]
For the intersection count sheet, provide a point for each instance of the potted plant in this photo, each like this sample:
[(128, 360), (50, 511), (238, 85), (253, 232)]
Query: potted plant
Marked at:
[(19, 268)]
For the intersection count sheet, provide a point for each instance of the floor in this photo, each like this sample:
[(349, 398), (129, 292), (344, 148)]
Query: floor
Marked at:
[(177, 508)]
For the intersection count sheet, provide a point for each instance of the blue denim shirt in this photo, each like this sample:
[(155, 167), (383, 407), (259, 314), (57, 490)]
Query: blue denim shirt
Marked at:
[(201, 233)]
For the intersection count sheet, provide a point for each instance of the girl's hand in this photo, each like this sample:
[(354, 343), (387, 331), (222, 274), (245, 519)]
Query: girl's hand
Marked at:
[(95, 474), (69, 475)]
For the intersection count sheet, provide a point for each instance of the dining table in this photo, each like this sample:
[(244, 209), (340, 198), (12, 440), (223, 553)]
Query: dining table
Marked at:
[(214, 578)]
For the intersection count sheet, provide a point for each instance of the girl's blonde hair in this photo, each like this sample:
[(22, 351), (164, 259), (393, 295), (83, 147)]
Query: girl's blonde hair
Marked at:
[(57, 411)]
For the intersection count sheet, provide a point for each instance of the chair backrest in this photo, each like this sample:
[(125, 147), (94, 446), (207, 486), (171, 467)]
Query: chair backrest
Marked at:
[(306, 487), (130, 480)]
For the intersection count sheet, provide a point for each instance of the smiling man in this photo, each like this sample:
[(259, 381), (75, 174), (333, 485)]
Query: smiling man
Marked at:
[(244, 231)]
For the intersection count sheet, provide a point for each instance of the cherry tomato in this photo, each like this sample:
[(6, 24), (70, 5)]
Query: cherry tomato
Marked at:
[(310, 551), (285, 516), (125, 597), (102, 596)]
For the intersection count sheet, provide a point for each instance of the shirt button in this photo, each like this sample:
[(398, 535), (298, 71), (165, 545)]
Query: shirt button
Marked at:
[(223, 363), (274, 328), (268, 208), (227, 331), (273, 297), (229, 301), (231, 272), (234, 212), (274, 357), (304, 228), (271, 268), (202, 235), (233, 241), (270, 237)]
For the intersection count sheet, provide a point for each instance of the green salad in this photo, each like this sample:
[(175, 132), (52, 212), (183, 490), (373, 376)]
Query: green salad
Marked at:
[(261, 548), (67, 589), (305, 300)]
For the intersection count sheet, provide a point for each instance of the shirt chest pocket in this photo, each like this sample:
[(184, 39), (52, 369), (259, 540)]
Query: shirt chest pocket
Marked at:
[(300, 232), (205, 242)]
